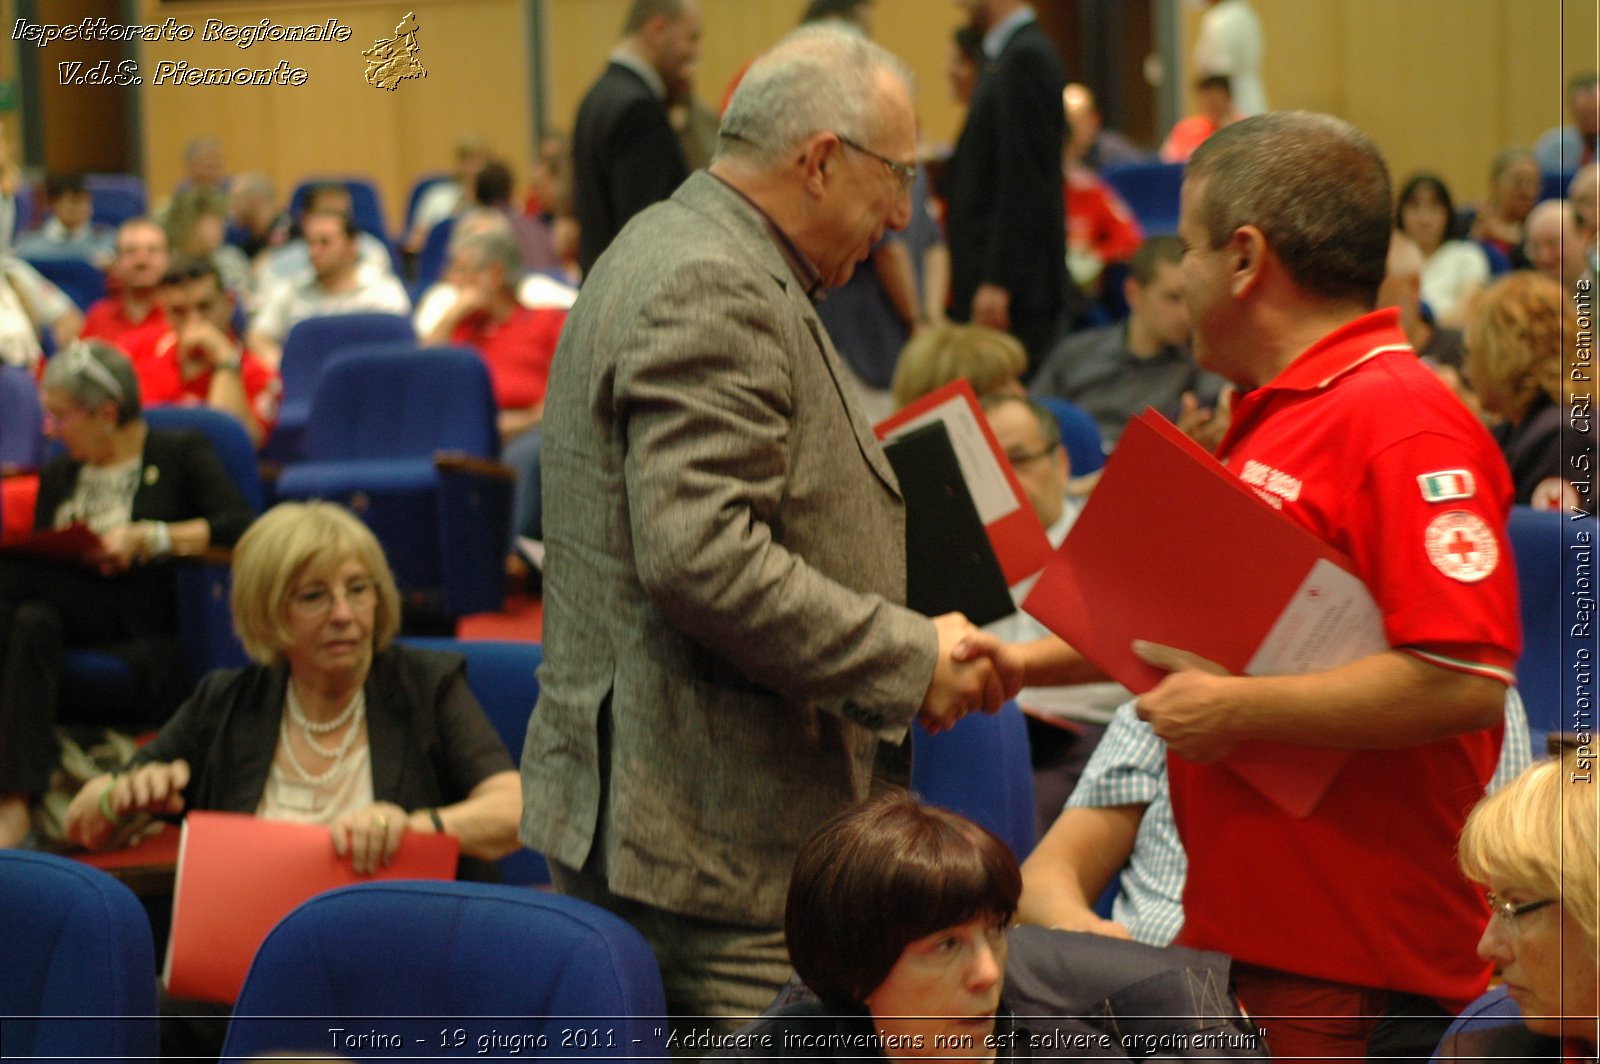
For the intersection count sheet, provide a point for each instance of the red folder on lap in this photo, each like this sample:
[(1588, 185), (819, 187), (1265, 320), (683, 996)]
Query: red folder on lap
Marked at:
[(1173, 548), (238, 875)]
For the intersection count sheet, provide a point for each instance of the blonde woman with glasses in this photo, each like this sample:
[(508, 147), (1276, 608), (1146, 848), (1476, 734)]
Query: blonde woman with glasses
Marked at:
[(1533, 846), (334, 725), (148, 495)]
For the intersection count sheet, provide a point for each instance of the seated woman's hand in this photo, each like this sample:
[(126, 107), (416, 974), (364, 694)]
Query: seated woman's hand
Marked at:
[(370, 836), (120, 547), (155, 788), (106, 803)]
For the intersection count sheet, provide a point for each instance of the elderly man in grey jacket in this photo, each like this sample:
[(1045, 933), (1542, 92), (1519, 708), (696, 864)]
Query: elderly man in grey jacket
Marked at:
[(727, 658)]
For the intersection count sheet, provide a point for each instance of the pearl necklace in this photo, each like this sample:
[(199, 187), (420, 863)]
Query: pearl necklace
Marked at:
[(357, 710), (311, 729)]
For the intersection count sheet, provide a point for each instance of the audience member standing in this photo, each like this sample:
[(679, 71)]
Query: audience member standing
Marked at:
[(1230, 43), (1565, 148), (729, 662), (625, 153), (1004, 217)]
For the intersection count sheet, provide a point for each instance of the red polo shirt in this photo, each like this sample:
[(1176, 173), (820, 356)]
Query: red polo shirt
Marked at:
[(107, 320), (161, 382), (1361, 444), (517, 351)]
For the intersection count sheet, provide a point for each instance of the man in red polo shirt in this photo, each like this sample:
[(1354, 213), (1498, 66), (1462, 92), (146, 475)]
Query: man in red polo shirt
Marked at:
[(1349, 918), (1353, 933), (516, 342), (198, 361), (131, 315)]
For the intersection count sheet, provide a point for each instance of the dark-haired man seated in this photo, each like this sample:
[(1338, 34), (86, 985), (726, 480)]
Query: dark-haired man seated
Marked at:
[(199, 360)]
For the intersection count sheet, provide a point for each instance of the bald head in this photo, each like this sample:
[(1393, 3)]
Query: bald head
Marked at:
[(1584, 195), (1553, 243)]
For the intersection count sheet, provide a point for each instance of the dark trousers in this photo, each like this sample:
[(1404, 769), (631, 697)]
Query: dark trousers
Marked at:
[(46, 607)]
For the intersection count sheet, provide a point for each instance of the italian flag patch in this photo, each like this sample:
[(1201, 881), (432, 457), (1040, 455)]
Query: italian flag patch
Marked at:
[(1447, 485)]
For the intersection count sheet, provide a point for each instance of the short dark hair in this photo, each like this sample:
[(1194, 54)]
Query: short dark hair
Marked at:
[(57, 185), (880, 875), (1582, 83), (1414, 184), (817, 10), (182, 271), (969, 42), (643, 11), (1315, 186), (492, 186), (1152, 254), (345, 221), (1215, 81)]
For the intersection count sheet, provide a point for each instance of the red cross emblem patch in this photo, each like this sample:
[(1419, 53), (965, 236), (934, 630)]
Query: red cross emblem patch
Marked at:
[(1462, 546)]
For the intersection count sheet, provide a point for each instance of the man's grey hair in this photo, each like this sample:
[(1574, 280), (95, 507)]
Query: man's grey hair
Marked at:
[(489, 246), (819, 77)]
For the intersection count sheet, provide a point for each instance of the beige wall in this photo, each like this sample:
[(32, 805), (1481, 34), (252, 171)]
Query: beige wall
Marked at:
[(1439, 83), (473, 50), (582, 32)]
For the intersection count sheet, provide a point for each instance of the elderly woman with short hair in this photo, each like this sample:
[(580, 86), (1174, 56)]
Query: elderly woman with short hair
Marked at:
[(148, 495), (334, 725)]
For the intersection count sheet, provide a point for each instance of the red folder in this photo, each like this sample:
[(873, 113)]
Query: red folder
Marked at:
[(74, 543), (238, 875), (1172, 548), (1015, 533)]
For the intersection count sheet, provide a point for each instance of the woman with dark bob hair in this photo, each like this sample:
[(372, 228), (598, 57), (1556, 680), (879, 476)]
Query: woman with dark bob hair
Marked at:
[(896, 920)]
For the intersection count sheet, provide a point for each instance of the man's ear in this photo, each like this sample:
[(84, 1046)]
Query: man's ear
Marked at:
[(1247, 251), (817, 161)]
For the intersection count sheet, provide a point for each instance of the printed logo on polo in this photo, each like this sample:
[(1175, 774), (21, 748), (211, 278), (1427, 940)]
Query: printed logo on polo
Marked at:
[(1462, 546), (1273, 485), (1447, 485)]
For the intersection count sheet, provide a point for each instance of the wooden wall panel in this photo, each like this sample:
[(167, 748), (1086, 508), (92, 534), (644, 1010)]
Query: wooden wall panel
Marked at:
[(474, 52), (1442, 85)]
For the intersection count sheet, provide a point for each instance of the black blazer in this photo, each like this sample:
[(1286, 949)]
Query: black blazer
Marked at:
[(1005, 218), (625, 156), (182, 478)]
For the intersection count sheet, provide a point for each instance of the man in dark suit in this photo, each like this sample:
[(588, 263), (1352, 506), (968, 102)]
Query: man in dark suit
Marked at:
[(727, 660), (625, 154), (1005, 227)]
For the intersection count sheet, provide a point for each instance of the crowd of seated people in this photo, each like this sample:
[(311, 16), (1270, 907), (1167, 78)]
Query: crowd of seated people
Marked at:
[(200, 304)]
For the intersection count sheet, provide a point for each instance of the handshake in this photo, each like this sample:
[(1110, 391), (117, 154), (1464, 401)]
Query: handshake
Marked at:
[(974, 671)]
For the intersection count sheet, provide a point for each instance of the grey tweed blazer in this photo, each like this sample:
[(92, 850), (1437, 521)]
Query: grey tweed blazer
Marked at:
[(725, 563)]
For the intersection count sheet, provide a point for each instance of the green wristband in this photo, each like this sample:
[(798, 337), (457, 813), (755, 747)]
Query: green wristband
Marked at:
[(105, 805), (438, 824)]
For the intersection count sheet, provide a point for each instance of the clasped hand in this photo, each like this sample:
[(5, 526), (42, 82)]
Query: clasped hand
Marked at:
[(962, 684)]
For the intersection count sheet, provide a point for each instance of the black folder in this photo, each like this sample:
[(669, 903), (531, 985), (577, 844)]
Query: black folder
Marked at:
[(950, 565)]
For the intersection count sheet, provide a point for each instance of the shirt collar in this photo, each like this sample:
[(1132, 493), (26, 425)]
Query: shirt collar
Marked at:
[(804, 270), (999, 35), (1341, 351), (650, 75)]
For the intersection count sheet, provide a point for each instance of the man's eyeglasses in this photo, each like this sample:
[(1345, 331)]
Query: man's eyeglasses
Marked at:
[(1509, 911), (1018, 459), (905, 173)]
